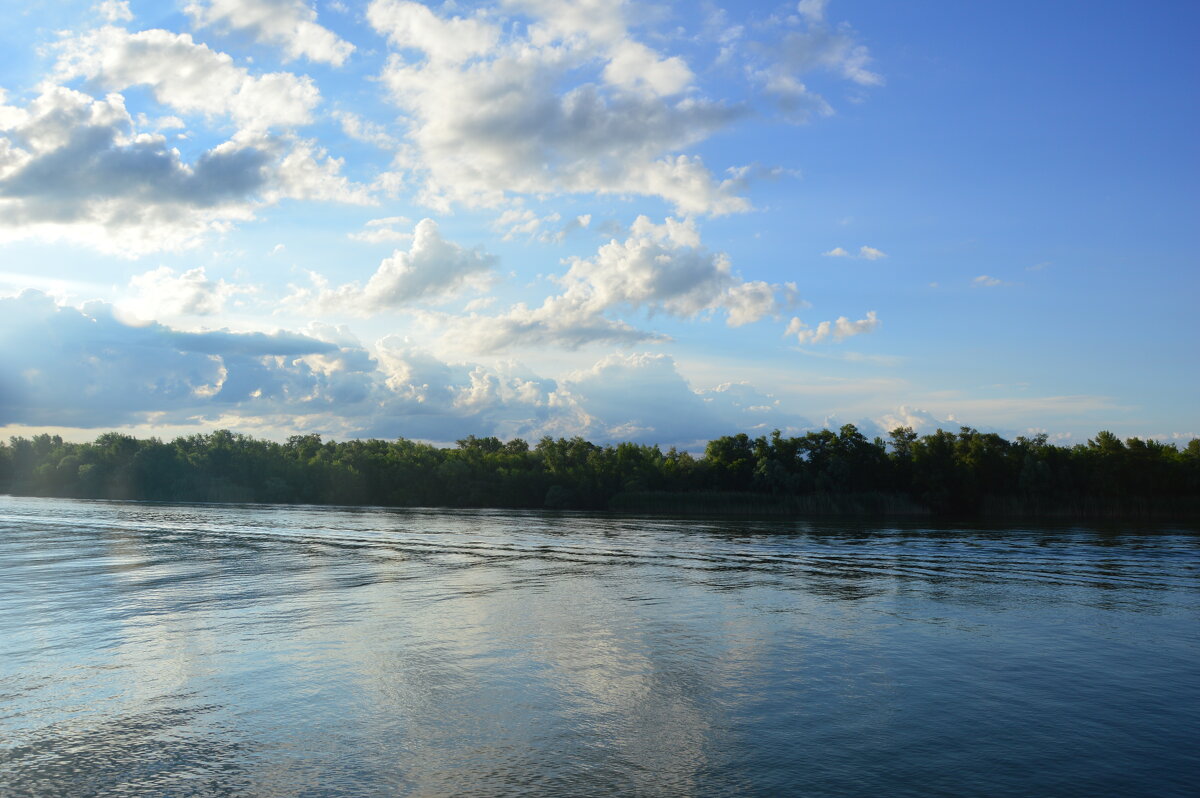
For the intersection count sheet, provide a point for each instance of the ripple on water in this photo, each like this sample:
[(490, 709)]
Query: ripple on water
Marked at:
[(154, 649)]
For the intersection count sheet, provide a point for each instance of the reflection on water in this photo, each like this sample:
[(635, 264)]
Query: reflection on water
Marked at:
[(248, 650)]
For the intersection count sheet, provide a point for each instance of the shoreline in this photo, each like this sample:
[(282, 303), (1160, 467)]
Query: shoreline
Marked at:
[(754, 507)]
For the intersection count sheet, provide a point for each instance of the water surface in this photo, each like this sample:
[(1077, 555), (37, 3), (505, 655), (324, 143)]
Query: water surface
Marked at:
[(150, 649)]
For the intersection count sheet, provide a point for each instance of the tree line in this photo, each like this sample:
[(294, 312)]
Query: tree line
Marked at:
[(960, 473)]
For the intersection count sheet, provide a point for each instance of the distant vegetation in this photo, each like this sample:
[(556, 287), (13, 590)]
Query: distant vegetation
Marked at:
[(967, 473)]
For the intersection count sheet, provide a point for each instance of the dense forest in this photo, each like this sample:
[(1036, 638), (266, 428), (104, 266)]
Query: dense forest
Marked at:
[(945, 473)]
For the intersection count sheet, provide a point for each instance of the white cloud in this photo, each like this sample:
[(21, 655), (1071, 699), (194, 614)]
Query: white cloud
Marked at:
[(921, 421), (306, 171), (1010, 415), (429, 398), (524, 223), (594, 20), (812, 46), (84, 368), (187, 76), (290, 24), (556, 322), (413, 26), (864, 253), (813, 10), (360, 129), (378, 231), (657, 268), (838, 330), (114, 10), (600, 28), (642, 397), (750, 409), (835, 50), (635, 67), (986, 281), (479, 303), (494, 115), (74, 168), (163, 293), (639, 397), (161, 123), (433, 268), (664, 266)]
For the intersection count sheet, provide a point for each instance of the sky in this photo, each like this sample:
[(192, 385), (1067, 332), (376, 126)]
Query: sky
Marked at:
[(659, 222)]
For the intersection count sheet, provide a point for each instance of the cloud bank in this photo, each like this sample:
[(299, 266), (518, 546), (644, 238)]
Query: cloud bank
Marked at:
[(323, 379)]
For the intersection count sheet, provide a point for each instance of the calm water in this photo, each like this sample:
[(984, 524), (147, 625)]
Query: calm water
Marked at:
[(247, 650)]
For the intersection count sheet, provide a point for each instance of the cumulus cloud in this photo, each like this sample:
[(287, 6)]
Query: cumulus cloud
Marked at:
[(433, 268), (74, 167), (644, 394), (602, 28), (114, 10), (72, 367), (495, 114), (657, 268), (290, 24), (864, 252), (360, 129), (83, 367), (163, 292), (636, 397), (921, 421), (642, 397), (751, 410), (187, 76), (307, 171), (430, 398), (410, 25), (837, 330), (65, 146), (664, 266), (635, 67)]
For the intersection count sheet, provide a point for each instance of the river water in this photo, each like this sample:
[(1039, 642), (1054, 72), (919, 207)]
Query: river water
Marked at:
[(151, 649)]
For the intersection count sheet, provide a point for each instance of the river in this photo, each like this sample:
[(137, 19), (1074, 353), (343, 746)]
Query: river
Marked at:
[(211, 650)]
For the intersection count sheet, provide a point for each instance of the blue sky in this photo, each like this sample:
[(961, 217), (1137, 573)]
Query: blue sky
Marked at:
[(650, 221)]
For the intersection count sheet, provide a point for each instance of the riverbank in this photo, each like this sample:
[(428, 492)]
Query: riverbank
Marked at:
[(968, 474)]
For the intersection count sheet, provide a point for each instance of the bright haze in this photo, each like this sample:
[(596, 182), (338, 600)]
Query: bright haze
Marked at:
[(659, 222)]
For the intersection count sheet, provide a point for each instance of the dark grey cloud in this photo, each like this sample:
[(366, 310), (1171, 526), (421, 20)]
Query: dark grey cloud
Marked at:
[(86, 368), (75, 166), (63, 184)]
